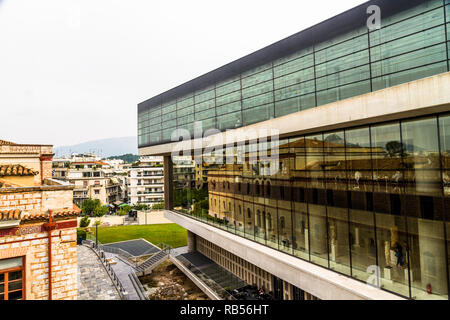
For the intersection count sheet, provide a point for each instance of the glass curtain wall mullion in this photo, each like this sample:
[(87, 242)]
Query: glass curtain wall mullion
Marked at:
[(408, 245), (446, 33), (443, 200)]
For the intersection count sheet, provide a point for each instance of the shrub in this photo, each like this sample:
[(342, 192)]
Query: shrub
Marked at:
[(84, 222), (158, 206)]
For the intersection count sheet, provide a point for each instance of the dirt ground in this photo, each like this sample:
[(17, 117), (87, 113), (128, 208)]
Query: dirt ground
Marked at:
[(167, 282)]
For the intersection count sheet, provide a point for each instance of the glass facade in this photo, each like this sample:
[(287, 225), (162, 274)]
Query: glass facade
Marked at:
[(412, 44), (350, 200)]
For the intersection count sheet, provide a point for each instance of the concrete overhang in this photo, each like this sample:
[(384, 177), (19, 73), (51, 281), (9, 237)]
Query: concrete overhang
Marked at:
[(320, 282), (416, 98)]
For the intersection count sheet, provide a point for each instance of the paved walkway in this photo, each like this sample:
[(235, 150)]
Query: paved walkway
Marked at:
[(94, 282)]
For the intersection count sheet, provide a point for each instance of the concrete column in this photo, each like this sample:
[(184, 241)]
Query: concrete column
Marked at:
[(168, 183), (191, 241)]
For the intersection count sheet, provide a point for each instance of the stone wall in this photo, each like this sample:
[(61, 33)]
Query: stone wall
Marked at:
[(34, 247), (21, 200)]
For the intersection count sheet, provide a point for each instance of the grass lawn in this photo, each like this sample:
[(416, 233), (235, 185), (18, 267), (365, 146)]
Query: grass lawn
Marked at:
[(171, 234)]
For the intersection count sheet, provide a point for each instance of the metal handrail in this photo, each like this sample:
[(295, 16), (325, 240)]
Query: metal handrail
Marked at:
[(202, 276), (115, 279)]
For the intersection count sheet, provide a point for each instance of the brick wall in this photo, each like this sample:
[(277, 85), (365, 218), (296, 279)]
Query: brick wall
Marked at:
[(34, 247), (22, 200)]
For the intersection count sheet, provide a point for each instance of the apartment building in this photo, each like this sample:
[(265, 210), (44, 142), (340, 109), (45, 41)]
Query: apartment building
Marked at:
[(336, 182), (93, 178), (146, 181)]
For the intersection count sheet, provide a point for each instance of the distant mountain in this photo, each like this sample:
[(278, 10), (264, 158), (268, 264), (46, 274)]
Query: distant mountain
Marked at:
[(103, 148), (128, 158)]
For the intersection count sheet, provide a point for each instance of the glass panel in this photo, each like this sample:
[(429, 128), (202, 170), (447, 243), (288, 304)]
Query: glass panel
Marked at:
[(344, 63), (342, 49), (391, 241), (387, 163), (294, 78), (257, 101), (229, 121), (428, 265), (257, 78), (294, 104), (2, 277), (16, 285), (15, 295), (285, 226), (344, 92), (296, 90), (301, 233), (234, 86), (410, 60), (2, 297), (410, 12), (362, 237), (258, 114), (318, 233), (444, 127), (257, 89), (334, 160), (2, 288), (359, 164), (343, 77), (420, 143), (14, 275), (338, 239), (232, 97), (228, 108), (416, 24)]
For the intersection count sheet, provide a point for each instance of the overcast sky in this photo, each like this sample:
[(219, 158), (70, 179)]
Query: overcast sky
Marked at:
[(74, 70)]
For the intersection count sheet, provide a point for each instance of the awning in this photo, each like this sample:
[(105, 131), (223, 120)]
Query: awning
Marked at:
[(117, 203)]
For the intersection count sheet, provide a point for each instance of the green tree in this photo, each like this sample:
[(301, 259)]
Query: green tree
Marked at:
[(140, 207), (84, 222), (93, 207), (158, 206)]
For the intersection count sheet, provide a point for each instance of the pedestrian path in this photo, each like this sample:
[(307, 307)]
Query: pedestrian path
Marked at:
[(94, 282)]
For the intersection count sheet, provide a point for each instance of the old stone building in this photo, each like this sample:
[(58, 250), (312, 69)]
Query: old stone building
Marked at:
[(37, 227)]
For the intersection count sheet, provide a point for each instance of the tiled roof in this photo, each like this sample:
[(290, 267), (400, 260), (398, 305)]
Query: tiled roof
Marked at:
[(6, 143), (8, 215), (16, 170), (60, 213)]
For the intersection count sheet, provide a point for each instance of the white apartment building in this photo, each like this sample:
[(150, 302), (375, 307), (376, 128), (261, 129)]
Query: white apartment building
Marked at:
[(146, 181)]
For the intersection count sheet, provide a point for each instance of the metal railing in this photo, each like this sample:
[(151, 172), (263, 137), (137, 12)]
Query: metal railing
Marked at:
[(115, 279), (210, 283), (140, 290)]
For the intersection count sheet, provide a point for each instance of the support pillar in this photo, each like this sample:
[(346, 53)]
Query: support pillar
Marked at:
[(191, 240), (168, 183)]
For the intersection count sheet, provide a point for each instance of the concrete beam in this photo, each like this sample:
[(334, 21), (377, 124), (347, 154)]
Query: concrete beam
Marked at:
[(320, 282)]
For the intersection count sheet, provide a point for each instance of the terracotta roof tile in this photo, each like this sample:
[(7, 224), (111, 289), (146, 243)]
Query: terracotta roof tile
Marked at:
[(60, 213), (6, 143), (16, 170), (8, 215)]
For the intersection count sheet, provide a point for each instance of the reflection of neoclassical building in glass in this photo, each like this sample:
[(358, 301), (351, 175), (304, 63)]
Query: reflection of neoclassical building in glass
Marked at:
[(361, 182)]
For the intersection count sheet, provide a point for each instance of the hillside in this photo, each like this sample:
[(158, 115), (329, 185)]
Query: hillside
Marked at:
[(104, 148)]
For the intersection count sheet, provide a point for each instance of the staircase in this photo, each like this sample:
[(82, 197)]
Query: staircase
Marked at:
[(148, 265)]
